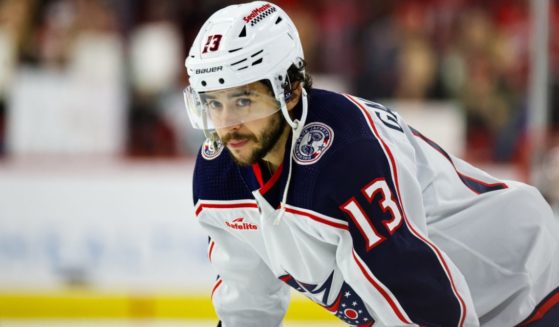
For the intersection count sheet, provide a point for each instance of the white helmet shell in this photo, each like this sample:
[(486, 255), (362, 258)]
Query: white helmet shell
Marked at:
[(241, 44)]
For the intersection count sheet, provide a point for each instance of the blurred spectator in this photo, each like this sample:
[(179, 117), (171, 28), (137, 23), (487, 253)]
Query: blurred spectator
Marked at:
[(416, 59), (472, 52), (548, 175), (68, 93), (155, 51), (378, 43), (554, 68), (14, 26)]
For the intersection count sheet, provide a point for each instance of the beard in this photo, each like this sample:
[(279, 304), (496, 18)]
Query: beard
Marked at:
[(265, 142)]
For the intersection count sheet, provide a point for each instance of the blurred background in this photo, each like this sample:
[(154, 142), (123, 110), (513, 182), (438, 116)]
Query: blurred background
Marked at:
[(96, 152)]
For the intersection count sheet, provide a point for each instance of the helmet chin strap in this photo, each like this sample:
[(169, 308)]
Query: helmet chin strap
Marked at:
[(297, 126)]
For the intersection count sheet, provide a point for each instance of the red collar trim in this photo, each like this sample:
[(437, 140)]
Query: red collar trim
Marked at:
[(265, 187), (258, 174)]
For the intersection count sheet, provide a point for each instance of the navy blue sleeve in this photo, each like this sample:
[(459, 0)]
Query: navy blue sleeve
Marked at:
[(356, 185), (218, 179)]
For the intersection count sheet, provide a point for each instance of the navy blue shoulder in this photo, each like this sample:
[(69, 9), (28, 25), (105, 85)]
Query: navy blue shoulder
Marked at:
[(354, 157), (217, 177), (338, 112)]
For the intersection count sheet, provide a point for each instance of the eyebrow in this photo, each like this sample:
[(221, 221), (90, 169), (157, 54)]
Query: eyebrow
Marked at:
[(232, 95)]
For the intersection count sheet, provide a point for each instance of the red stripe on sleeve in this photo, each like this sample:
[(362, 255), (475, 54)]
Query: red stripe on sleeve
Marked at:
[(216, 286), (316, 218), (211, 250), (224, 206), (542, 309), (381, 290)]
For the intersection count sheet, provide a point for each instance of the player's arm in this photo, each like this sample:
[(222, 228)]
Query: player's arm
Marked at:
[(402, 276), (246, 293)]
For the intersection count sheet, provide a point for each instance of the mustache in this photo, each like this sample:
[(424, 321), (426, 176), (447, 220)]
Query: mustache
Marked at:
[(237, 137)]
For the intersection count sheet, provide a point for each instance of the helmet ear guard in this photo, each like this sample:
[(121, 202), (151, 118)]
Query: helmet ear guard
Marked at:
[(287, 88), (287, 85), (288, 95)]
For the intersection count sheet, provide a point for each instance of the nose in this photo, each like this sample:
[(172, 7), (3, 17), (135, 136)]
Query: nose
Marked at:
[(230, 123), (228, 117), (229, 129), (227, 132)]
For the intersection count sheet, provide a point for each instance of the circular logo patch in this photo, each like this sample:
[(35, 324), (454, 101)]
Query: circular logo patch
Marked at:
[(315, 139), (210, 150)]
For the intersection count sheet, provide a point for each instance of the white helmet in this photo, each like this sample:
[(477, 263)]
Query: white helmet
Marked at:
[(239, 45)]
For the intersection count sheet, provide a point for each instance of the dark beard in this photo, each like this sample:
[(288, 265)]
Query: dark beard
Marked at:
[(269, 139)]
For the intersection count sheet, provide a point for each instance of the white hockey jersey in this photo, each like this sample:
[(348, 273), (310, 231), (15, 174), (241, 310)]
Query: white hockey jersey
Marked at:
[(381, 227)]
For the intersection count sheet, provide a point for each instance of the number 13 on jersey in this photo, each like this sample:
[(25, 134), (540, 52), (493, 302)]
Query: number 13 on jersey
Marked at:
[(364, 223)]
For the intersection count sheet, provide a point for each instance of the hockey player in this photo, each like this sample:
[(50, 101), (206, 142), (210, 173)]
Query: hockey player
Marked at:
[(338, 198)]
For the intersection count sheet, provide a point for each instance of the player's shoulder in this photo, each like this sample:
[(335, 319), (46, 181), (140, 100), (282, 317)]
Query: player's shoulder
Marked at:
[(336, 122), (216, 176), (338, 152), (341, 136), (348, 116), (336, 141)]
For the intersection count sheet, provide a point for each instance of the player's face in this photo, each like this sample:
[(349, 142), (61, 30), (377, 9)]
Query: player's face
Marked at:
[(252, 140), (238, 105)]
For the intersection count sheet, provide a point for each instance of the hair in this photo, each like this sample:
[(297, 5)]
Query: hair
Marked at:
[(294, 74), (298, 74)]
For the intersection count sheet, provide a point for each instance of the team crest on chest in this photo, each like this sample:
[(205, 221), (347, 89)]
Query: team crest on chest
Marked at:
[(211, 151), (315, 139)]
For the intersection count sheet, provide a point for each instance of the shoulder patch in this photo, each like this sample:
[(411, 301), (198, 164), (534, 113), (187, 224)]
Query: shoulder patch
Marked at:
[(315, 139), (209, 151)]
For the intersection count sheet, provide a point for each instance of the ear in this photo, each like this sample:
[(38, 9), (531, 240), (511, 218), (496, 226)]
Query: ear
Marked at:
[(295, 96)]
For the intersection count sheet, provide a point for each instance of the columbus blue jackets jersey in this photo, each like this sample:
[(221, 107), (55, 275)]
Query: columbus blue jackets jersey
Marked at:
[(380, 226)]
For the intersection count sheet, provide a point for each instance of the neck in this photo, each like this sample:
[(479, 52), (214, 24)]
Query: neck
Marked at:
[(276, 155)]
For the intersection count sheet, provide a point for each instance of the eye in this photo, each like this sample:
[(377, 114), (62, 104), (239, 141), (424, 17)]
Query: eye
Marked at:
[(243, 102), (213, 104)]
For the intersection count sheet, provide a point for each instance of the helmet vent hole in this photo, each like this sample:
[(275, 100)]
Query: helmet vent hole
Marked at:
[(243, 32), (259, 61), (204, 83), (278, 20), (257, 53), (245, 67), (238, 62), (221, 81), (233, 50)]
